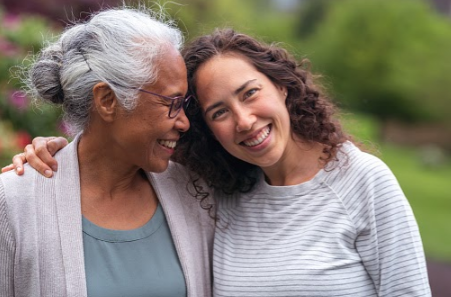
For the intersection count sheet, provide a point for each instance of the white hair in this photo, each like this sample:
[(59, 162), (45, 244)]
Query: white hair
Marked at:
[(116, 46)]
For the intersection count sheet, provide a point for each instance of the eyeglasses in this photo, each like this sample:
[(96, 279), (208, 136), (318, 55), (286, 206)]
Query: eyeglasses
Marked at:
[(176, 102)]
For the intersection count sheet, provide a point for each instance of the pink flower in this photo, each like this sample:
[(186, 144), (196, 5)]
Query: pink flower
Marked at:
[(18, 99), (64, 127), (7, 48), (11, 21)]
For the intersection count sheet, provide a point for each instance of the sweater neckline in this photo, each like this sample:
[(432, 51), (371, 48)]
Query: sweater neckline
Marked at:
[(291, 190), (110, 235)]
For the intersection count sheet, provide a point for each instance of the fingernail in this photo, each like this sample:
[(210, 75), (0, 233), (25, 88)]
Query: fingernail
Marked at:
[(17, 169), (48, 173), (55, 168)]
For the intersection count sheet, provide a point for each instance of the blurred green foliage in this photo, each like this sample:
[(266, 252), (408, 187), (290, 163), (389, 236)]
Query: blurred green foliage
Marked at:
[(256, 17), (390, 59), (428, 191), (20, 120)]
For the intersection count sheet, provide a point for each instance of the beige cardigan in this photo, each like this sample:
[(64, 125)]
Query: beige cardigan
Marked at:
[(41, 247)]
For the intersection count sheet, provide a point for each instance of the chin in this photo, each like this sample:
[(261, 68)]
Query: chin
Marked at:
[(157, 168), (263, 164)]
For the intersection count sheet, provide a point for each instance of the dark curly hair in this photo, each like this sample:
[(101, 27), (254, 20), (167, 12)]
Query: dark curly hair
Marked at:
[(311, 111)]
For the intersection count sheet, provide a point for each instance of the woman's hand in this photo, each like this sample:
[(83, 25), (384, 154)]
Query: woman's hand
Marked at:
[(39, 155)]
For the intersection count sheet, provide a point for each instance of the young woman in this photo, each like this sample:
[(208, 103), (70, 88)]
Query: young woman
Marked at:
[(302, 211)]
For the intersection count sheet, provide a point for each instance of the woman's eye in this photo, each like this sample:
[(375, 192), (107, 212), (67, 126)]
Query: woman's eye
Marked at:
[(218, 113), (250, 93), (165, 102)]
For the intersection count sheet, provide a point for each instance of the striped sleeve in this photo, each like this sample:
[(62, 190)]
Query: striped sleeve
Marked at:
[(388, 239)]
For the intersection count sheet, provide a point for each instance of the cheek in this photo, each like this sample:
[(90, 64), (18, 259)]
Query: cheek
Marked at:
[(222, 133)]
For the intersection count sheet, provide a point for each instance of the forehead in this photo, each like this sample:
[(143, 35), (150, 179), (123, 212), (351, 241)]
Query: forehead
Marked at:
[(225, 69), (225, 63), (171, 72)]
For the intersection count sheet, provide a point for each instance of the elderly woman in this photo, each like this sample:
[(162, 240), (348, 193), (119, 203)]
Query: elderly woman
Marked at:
[(116, 219)]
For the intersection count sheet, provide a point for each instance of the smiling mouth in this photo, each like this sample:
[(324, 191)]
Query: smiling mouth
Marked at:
[(259, 138), (168, 143)]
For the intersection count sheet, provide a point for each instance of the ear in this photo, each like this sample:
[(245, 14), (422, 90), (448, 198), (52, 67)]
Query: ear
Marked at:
[(105, 101), (283, 90)]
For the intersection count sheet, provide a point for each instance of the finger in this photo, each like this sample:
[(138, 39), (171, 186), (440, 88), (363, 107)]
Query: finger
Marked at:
[(56, 144), (38, 157), (40, 150), (41, 141), (18, 161), (53, 144), (8, 168)]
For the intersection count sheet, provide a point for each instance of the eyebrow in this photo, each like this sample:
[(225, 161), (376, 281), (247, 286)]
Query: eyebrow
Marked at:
[(243, 86), (236, 92), (213, 107)]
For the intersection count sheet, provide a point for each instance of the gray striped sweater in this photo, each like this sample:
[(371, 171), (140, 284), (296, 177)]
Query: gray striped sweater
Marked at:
[(347, 232)]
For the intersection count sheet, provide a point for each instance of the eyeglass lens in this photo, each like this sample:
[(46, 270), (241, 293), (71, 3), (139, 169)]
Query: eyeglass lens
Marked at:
[(177, 105)]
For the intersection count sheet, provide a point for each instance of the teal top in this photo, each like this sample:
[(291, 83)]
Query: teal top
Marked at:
[(139, 262)]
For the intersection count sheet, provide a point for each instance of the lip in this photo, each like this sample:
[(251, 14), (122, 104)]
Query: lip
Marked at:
[(257, 138), (168, 144)]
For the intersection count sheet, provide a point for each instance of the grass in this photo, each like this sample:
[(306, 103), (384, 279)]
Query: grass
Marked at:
[(429, 193), (428, 188)]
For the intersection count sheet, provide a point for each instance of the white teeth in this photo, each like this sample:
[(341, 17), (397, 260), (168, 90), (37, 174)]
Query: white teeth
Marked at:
[(168, 143), (259, 138)]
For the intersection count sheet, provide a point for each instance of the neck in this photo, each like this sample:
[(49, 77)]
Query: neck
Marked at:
[(98, 164), (115, 194), (300, 163)]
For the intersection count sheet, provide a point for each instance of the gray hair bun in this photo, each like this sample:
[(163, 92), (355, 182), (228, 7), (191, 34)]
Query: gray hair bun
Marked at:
[(115, 46), (45, 74)]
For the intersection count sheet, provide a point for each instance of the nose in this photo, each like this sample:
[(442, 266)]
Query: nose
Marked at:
[(181, 122), (244, 120)]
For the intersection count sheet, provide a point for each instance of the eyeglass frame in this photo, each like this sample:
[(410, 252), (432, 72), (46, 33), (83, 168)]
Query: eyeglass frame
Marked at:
[(184, 104), (184, 100)]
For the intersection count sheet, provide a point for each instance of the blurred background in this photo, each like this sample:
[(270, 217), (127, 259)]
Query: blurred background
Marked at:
[(386, 63)]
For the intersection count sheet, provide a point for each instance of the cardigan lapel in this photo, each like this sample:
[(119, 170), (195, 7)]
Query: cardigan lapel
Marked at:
[(68, 204), (169, 197)]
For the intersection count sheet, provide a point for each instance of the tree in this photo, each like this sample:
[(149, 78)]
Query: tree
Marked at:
[(260, 18), (391, 59)]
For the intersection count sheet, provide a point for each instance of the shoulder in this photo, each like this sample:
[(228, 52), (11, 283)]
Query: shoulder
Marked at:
[(175, 174), (21, 190), (13, 185), (363, 180), (178, 183), (358, 166), (18, 198), (175, 171)]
